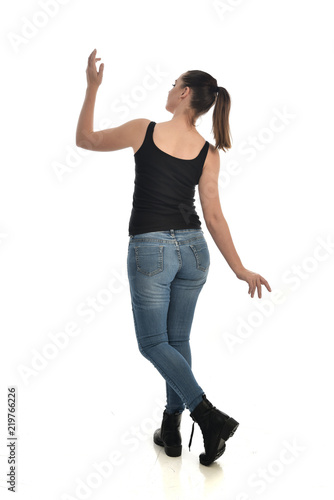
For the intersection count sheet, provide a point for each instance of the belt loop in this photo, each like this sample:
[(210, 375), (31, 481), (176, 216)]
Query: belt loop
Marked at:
[(172, 232)]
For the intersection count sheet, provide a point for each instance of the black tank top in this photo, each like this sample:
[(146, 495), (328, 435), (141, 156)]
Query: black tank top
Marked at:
[(164, 189)]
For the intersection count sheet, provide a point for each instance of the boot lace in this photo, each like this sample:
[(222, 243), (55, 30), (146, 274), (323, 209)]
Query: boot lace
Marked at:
[(192, 433), (209, 410)]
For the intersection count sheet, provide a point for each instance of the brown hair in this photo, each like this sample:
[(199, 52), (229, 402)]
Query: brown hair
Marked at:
[(203, 96)]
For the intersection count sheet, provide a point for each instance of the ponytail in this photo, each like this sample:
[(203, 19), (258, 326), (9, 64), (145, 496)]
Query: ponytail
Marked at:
[(220, 120), (205, 93)]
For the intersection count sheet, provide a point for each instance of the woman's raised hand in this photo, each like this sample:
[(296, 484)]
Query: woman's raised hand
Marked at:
[(94, 78)]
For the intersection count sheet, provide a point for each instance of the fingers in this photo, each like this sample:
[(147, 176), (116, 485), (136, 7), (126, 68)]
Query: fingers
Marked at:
[(253, 287), (91, 55), (265, 283), (256, 284), (92, 58)]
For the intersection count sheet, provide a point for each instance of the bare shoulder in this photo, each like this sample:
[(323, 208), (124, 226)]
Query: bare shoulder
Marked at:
[(212, 160), (138, 126), (141, 122), (139, 130)]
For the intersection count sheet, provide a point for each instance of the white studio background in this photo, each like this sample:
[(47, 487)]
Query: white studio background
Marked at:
[(85, 393)]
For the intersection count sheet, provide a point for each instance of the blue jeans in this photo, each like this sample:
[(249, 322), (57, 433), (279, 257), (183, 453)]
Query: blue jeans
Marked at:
[(166, 271)]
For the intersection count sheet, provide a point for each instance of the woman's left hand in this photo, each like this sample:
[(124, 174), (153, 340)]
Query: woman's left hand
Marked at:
[(94, 78), (254, 281)]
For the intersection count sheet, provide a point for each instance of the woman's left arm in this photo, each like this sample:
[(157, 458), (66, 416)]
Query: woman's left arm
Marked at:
[(110, 139), (86, 119)]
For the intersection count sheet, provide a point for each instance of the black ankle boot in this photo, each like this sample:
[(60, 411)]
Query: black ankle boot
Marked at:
[(169, 435), (216, 428)]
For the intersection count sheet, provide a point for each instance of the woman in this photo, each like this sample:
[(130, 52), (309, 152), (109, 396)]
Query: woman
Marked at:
[(168, 258)]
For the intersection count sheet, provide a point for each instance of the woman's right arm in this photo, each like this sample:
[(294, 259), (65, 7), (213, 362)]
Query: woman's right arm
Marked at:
[(212, 211), (217, 225)]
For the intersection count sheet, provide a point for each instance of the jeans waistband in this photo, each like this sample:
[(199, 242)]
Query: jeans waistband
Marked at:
[(169, 236)]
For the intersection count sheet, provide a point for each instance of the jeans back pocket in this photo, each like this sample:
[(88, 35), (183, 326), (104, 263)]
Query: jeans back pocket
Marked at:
[(149, 259), (202, 255)]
